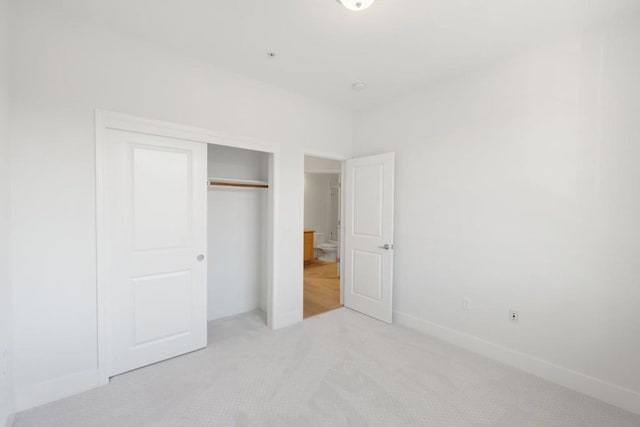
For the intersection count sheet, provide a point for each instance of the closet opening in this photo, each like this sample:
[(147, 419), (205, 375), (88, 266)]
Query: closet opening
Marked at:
[(322, 235), (237, 226)]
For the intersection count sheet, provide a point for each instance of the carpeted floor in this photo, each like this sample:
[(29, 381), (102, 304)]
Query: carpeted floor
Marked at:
[(336, 369), (321, 287)]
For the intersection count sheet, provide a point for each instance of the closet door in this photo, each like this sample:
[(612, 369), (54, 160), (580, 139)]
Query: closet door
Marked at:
[(156, 238)]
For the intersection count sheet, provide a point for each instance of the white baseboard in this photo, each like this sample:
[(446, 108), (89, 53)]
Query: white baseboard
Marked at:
[(287, 319), (611, 393), (59, 388)]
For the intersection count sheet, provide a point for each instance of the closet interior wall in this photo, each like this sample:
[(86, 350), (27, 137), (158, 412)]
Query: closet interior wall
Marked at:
[(237, 233)]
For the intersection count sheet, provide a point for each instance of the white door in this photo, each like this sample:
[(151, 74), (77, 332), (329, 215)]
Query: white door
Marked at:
[(156, 214), (368, 258)]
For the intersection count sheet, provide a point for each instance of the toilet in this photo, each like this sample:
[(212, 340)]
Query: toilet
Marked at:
[(325, 250)]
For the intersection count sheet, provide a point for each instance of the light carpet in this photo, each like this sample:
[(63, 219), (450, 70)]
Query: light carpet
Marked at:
[(336, 369)]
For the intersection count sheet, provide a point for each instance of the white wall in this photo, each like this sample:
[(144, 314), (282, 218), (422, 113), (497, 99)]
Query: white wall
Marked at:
[(237, 232), (6, 374), (518, 186), (61, 71), (229, 162), (317, 187)]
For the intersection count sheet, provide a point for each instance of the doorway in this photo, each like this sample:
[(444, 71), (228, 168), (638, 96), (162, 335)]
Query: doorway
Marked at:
[(322, 235), (365, 246)]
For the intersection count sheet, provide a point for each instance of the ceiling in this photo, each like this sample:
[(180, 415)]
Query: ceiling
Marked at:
[(395, 46)]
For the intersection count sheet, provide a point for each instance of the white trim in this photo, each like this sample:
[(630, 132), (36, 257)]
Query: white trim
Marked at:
[(131, 123), (55, 389), (325, 155), (287, 319), (343, 176), (272, 236), (102, 304), (611, 393), (111, 120)]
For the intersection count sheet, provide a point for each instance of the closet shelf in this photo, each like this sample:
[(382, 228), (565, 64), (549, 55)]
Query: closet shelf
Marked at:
[(242, 183)]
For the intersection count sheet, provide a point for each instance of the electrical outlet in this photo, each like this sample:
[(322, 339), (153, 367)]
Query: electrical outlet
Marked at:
[(466, 303), (514, 316)]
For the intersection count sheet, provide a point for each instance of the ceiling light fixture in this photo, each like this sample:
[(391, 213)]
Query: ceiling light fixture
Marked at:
[(356, 5)]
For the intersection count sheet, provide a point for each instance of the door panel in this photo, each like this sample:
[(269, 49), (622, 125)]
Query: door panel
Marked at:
[(368, 199), (161, 197), (156, 223), (367, 274), (369, 202), (162, 306)]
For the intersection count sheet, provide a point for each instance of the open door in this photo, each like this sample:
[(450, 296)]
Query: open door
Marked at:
[(156, 219), (368, 258)]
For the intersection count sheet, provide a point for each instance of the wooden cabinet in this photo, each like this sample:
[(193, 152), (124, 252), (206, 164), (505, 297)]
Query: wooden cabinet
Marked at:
[(308, 246)]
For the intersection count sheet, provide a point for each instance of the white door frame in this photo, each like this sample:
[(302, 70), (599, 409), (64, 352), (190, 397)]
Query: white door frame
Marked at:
[(105, 120), (342, 159)]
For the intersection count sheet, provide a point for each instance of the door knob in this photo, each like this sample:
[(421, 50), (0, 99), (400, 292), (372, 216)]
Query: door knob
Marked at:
[(200, 257), (386, 247)]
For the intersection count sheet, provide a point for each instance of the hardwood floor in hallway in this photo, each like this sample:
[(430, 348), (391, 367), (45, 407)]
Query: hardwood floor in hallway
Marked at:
[(321, 287)]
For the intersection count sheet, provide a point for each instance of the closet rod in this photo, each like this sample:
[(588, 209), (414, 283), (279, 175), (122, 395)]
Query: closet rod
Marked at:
[(237, 184)]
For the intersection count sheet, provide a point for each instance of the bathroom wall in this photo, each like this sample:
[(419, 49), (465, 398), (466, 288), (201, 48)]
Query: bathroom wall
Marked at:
[(237, 233), (316, 201)]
